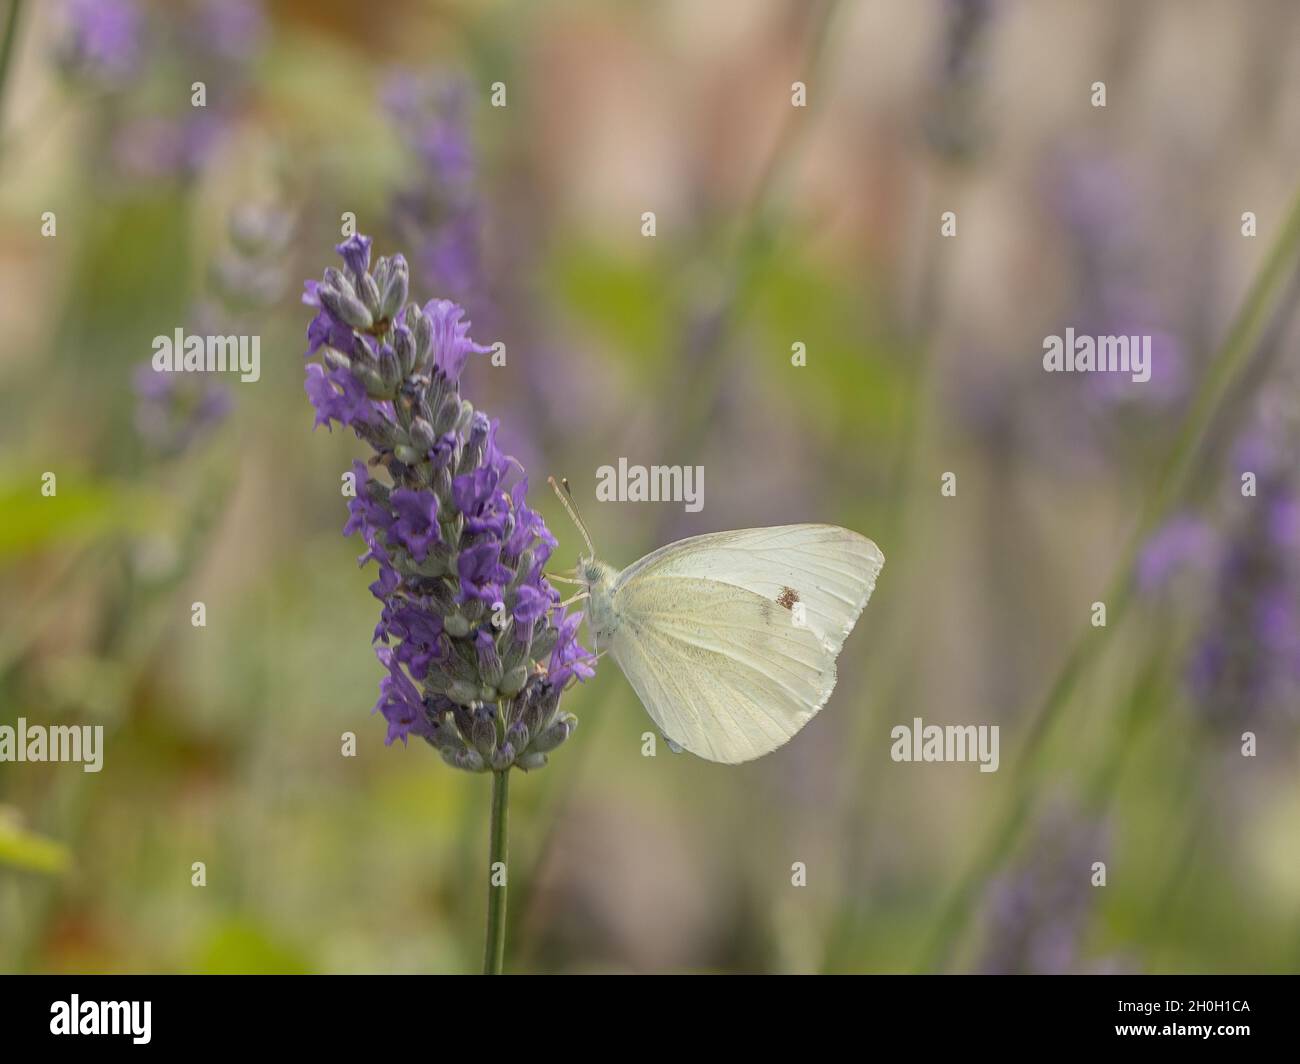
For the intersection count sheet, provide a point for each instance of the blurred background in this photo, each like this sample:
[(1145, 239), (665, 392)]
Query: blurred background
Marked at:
[(776, 225)]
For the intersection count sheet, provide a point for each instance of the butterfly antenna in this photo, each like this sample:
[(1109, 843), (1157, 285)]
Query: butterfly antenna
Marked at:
[(571, 508), (563, 580)]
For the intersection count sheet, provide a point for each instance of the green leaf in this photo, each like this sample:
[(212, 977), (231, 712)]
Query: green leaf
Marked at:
[(625, 301), (241, 947), (80, 509), (27, 851)]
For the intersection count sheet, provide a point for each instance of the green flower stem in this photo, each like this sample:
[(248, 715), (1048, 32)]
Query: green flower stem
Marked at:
[(494, 951), (1186, 456)]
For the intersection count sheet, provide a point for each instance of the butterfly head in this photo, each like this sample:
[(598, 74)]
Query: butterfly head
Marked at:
[(596, 576)]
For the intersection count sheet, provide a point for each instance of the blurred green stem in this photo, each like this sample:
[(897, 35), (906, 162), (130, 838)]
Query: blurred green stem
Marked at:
[(7, 47), (929, 300), (494, 951), (707, 365), (1186, 456), (704, 358), (130, 626)]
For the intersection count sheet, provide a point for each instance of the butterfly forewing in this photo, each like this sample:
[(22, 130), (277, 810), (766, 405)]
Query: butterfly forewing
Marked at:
[(830, 570), (730, 639)]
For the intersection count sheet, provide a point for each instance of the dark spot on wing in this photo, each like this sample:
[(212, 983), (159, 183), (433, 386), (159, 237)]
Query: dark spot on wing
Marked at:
[(788, 597)]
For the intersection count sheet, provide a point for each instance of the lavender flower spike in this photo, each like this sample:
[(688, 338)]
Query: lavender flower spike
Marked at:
[(476, 647)]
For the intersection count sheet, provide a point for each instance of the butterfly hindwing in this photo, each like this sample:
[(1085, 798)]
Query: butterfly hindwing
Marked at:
[(711, 636)]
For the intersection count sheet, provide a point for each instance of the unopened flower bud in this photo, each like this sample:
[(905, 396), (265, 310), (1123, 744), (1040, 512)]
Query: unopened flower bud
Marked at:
[(465, 416), (404, 345), (355, 251), (442, 488), (489, 661), (335, 359), (422, 435), (523, 568), (512, 682), (517, 649), (347, 308), (448, 414), (437, 682), (468, 760), (368, 293), (483, 731), (554, 735), (422, 330), (389, 370), (472, 453), (543, 643), (531, 760), (463, 715), (395, 288), (542, 703), (338, 280), (443, 738), (374, 383), (517, 735)]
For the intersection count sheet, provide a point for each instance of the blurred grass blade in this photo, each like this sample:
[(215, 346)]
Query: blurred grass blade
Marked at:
[(1185, 456)]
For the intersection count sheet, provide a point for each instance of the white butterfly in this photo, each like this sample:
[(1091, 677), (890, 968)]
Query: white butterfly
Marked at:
[(730, 639)]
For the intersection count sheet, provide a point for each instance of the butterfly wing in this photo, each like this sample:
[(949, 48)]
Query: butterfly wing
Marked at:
[(730, 639)]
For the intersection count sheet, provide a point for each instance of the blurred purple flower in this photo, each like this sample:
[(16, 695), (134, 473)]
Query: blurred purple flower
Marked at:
[(102, 41), (1244, 666), (174, 410), (1038, 910), (1182, 542), (158, 147), (228, 31), (1097, 202), (208, 41), (437, 212), (250, 274), (430, 116)]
